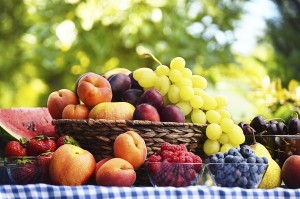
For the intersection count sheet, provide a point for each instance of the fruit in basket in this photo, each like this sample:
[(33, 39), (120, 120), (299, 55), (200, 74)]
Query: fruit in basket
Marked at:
[(93, 89), (112, 111), (131, 147), (290, 172), (71, 165), (132, 96), (146, 112), (40, 144), (30, 122), (116, 172), (76, 111), (119, 83), (116, 71), (58, 100), (171, 113), (152, 97), (16, 148)]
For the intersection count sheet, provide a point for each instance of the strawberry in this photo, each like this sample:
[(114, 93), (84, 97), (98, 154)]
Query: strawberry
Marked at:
[(24, 171), (40, 144), (66, 139), (16, 148), (44, 160)]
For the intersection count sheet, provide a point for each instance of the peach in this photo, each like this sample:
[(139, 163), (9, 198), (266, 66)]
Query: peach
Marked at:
[(58, 100), (131, 146), (290, 172), (75, 111), (112, 111), (116, 172), (72, 166), (100, 163), (93, 89)]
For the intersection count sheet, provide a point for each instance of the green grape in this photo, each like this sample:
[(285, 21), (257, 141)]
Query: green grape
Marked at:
[(199, 81), (209, 102), (147, 79), (213, 116), (175, 75), (226, 124), (186, 93), (186, 72), (166, 100), (224, 113), (173, 94), (177, 63), (162, 84), (221, 101), (185, 107), (184, 82), (236, 136), (138, 73), (162, 70), (213, 131), (223, 139), (211, 147), (198, 116), (196, 101), (225, 148)]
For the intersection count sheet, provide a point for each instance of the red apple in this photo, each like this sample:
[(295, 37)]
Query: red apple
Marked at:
[(58, 100), (71, 166), (290, 172), (93, 89)]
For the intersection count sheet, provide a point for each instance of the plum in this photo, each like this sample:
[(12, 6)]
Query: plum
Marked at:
[(119, 83), (171, 113), (132, 96), (146, 112), (152, 97)]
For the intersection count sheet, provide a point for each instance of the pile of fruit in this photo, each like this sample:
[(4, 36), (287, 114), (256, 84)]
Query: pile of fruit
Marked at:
[(238, 168)]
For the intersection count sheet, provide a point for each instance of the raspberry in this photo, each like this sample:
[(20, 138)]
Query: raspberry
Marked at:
[(167, 154), (155, 158), (188, 159), (165, 146), (196, 159)]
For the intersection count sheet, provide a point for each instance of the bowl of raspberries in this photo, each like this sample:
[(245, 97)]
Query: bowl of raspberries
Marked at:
[(239, 167), (173, 165)]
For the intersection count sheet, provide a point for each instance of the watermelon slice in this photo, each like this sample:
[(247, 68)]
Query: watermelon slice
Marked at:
[(16, 123)]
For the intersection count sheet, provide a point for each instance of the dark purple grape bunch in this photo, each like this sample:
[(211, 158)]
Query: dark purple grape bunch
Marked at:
[(293, 126), (239, 167)]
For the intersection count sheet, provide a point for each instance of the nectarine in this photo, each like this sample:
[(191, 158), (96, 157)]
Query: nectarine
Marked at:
[(290, 172), (75, 111)]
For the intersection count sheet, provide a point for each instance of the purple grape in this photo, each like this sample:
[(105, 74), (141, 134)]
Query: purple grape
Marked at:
[(294, 126), (259, 124)]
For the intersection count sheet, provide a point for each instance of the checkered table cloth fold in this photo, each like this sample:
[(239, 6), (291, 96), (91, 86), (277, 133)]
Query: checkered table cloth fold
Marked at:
[(45, 191)]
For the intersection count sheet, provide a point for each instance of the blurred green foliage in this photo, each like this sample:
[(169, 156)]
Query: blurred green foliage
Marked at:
[(47, 45)]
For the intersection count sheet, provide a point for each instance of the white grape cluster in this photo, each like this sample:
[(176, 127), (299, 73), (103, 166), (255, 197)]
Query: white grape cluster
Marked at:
[(180, 87)]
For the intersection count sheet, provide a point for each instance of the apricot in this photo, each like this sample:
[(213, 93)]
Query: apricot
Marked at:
[(75, 111), (116, 172), (131, 146)]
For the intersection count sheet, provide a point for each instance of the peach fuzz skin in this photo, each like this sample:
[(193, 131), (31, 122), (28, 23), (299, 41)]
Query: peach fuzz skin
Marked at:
[(71, 166), (131, 146), (100, 163), (93, 89), (75, 111), (116, 172), (58, 100)]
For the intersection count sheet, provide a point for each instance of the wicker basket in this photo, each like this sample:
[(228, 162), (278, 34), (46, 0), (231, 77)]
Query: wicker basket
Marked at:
[(97, 136)]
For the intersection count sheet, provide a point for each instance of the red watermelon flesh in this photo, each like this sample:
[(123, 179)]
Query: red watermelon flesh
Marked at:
[(16, 123)]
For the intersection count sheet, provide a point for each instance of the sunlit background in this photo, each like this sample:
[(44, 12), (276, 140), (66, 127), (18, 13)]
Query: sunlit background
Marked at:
[(247, 50)]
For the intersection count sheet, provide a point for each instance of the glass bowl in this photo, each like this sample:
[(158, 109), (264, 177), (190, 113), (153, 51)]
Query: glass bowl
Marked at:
[(23, 169), (174, 174), (244, 175)]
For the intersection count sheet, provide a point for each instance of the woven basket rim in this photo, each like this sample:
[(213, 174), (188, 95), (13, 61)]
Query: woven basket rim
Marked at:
[(92, 122)]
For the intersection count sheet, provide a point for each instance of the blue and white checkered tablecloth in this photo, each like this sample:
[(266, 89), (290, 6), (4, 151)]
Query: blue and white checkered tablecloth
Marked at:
[(45, 191)]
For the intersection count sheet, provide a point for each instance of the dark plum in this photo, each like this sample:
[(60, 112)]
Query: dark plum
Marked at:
[(132, 96), (294, 126), (152, 97), (259, 124), (134, 83), (119, 83), (146, 112), (171, 113)]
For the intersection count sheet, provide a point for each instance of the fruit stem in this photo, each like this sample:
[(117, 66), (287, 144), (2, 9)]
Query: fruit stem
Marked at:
[(147, 54)]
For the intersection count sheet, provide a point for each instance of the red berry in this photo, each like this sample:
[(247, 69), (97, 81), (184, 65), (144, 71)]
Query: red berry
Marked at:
[(44, 160), (154, 158), (40, 144), (66, 139), (16, 148)]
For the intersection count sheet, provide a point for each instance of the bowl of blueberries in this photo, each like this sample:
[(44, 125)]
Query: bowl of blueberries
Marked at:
[(239, 167)]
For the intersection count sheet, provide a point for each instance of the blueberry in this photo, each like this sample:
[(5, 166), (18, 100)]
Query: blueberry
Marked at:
[(265, 160), (253, 169), (251, 160), (246, 151), (237, 173), (259, 160), (251, 184), (219, 155), (261, 169), (244, 167), (242, 182), (245, 174), (220, 161), (220, 175), (228, 169), (237, 159), (230, 179), (234, 152), (228, 158), (213, 159)]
